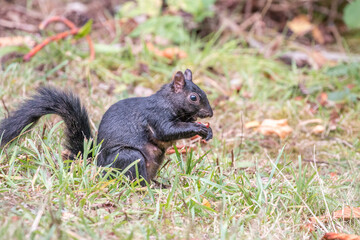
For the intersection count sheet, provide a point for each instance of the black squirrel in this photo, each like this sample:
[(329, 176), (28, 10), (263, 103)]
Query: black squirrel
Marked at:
[(131, 129)]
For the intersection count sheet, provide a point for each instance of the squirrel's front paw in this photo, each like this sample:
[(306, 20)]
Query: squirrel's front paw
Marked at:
[(205, 132), (209, 134)]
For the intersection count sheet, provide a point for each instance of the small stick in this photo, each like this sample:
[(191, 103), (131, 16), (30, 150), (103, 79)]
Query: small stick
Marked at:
[(73, 31), (48, 40)]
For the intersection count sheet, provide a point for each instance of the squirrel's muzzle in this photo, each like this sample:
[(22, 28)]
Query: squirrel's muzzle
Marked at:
[(205, 113)]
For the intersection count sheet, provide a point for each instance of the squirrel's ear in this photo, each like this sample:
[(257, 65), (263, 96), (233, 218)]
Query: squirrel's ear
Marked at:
[(178, 82), (188, 74)]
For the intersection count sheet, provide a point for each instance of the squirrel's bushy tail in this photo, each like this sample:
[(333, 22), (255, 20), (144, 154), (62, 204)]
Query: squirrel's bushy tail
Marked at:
[(50, 101)]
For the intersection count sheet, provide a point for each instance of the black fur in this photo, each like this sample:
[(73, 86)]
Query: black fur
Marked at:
[(50, 101), (132, 129)]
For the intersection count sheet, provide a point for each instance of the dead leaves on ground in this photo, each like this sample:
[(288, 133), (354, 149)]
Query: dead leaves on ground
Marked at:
[(268, 127), (344, 214), (340, 236), (301, 25), (282, 129), (169, 53), (314, 126)]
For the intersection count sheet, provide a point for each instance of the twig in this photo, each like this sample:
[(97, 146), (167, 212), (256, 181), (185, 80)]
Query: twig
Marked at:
[(73, 31), (70, 25), (48, 40)]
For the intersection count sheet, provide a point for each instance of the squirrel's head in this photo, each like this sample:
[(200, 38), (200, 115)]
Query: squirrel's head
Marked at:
[(190, 101)]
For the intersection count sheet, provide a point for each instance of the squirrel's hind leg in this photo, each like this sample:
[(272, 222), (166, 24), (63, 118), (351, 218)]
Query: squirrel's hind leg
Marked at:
[(125, 157)]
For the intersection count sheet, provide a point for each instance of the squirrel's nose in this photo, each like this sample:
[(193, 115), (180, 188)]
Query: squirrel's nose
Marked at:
[(211, 112), (208, 112)]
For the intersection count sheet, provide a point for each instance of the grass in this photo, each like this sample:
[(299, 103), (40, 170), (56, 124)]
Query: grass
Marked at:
[(241, 185)]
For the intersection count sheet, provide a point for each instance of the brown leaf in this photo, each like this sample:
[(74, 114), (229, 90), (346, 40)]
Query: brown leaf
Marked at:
[(277, 127), (170, 53), (300, 25), (344, 214), (206, 203), (340, 236), (318, 35)]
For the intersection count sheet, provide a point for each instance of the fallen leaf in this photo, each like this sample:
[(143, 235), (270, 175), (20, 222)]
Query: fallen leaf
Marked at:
[(340, 236), (174, 52), (170, 53), (206, 203), (252, 124), (300, 25), (318, 129), (347, 213), (277, 127), (334, 176), (344, 214), (317, 35)]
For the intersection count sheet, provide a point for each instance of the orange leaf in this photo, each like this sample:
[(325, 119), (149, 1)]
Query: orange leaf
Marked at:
[(206, 203), (170, 53), (300, 25), (334, 176), (340, 236), (317, 35)]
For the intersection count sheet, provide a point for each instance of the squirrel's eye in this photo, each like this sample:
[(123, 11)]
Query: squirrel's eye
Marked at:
[(193, 98)]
